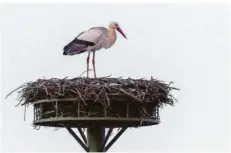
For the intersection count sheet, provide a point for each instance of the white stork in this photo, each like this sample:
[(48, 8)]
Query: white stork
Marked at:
[(92, 40)]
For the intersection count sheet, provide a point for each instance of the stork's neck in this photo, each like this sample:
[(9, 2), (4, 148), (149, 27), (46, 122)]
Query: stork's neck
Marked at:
[(111, 37), (112, 32)]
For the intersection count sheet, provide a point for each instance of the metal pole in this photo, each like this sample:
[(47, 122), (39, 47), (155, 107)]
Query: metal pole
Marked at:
[(95, 136)]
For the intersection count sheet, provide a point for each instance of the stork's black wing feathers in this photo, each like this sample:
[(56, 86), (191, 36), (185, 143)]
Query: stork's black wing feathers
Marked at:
[(76, 46)]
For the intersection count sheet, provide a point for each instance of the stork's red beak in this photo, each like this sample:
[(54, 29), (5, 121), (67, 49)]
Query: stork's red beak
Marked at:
[(118, 29)]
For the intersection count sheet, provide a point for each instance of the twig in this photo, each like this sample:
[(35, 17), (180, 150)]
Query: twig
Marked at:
[(24, 112), (126, 93), (80, 96), (84, 72), (16, 89), (45, 89), (108, 100), (145, 112)]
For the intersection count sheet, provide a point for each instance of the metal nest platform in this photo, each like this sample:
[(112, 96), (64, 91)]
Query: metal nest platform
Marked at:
[(73, 113), (95, 104)]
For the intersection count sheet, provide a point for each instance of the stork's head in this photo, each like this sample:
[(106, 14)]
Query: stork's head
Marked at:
[(115, 25)]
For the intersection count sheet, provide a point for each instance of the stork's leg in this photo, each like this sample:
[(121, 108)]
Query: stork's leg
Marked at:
[(88, 57), (93, 62)]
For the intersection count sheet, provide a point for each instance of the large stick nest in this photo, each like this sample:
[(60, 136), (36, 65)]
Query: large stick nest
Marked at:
[(98, 90)]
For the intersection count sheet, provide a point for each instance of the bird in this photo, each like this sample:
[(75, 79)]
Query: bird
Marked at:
[(92, 40)]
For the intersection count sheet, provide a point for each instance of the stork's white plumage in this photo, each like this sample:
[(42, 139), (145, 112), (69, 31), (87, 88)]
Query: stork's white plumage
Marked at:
[(92, 40)]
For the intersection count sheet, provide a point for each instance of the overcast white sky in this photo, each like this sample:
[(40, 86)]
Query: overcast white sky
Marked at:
[(187, 44)]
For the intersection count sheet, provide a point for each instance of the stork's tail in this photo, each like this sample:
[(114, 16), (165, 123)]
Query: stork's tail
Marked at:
[(76, 46), (67, 48)]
